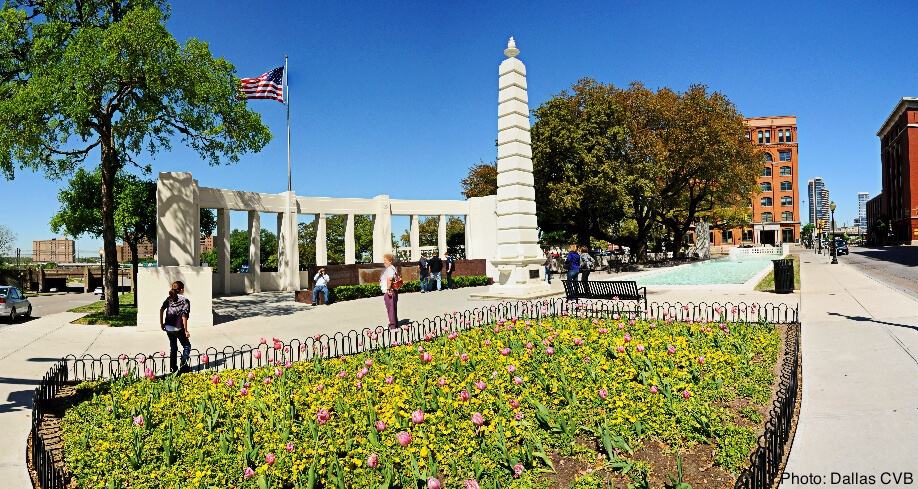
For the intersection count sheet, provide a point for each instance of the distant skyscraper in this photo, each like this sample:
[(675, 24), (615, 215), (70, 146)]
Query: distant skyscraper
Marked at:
[(819, 200), (862, 198)]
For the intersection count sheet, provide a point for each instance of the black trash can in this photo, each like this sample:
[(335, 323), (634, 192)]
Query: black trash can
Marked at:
[(784, 276)]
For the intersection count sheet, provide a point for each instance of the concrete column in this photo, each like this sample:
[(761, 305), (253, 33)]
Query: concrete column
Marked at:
[(321, 241), (255, 251), (288, 240), (223, 251), (414, 238), (350, 254), (441, 235), (178, 229), (382, 228)]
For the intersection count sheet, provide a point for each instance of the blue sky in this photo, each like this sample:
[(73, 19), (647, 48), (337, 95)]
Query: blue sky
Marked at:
[(400, 97)]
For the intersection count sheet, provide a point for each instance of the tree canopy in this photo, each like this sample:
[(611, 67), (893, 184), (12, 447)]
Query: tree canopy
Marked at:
[(481, 180), (80, 78)]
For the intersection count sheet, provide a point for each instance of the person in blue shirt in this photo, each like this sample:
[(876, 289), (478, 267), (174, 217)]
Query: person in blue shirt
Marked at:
[(573, 263)]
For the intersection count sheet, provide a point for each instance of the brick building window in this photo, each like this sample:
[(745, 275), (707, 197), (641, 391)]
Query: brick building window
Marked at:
[(766, 186), (747, 235), (787, 216), (767, 217), (767, 137), (784, 155), (787, 201), (780, 135), (767, 157), (787, 136), (766, 171), (786, 186), (785, 171), (760, 138), (765, 201)]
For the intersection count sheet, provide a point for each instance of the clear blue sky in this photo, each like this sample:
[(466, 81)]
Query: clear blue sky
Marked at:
[(400, 97)]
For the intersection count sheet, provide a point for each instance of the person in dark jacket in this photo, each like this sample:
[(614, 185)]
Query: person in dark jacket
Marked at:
[(424, 273), (573, 263), (436, 269), (173, 319), (450, 268)]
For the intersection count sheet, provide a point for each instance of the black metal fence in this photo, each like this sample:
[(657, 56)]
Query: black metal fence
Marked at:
[(271, 351)]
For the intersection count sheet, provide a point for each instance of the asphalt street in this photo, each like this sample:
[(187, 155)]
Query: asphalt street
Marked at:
[(895, 266), (47, 305)]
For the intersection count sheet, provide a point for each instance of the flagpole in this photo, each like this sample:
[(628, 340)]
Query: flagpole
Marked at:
[(287, 100)]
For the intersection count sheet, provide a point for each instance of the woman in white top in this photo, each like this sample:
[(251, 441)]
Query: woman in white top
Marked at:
[(390, 294)]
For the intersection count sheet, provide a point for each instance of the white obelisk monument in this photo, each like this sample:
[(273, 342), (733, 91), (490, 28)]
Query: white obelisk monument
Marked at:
[(519, 258)]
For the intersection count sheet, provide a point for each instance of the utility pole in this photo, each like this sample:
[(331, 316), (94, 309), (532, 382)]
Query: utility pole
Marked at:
[(18, 253)]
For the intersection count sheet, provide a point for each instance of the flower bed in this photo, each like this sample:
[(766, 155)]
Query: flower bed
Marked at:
[(516, 404)]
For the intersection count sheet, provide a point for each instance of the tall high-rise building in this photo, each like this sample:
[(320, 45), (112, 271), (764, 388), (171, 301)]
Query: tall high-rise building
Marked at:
[(818, 196), (861, 220)]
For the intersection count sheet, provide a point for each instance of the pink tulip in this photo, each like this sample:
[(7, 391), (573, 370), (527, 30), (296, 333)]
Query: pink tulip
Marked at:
[(464, 395), (417, 417), (517, 470), (426, 357), (603, 330), (671, 350), (138, 420), (478, 419), (122, 357), (289, 446), (480, 385), (640, 348), (578, 341), (627, 338), (549, 351), (441, 381), (257, 354), (251, 375), (517, 380), (263, 341), (701, 360), (546, 342), (243, 392), (518, 416), (511, 368), (215, 379), (368, 362), (620, 349), (278, 372), (514, 403), (471, 484), (453, 335), (320, 387), (631, 323), (270, 459), (389, 380), (464, 357), (373, 461), (229, 382), (362, 373), (404, 438), (433, 483), (505, 351), (248, 473), (380, 426), (141, 358), (205, 358), (323, 416), (428, 337), (686, 394), (487, 342), (653, 389), (342, 374), (529, 346), (603, 393), (148, 374)]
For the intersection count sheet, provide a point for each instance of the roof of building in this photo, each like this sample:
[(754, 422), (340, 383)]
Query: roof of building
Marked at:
[(771, 120), (904, 103)]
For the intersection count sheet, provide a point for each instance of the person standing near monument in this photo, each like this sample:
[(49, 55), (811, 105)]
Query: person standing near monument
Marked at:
[(572, 262), (424, 273), (450, 268), (177, 308), (389, 283), (586, 264), (436, 270)]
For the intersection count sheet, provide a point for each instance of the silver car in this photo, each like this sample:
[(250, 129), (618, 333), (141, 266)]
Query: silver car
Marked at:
[(13, 303)]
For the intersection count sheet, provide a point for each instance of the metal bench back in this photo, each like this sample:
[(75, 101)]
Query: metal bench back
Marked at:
[(624, 289)]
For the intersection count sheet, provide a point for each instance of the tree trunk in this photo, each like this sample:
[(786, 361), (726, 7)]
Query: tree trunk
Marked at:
[(135, 260), (109, 170)]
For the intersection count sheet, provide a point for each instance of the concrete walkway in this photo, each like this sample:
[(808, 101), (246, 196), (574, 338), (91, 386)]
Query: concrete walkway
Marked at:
[(28, 349), (859, 413)]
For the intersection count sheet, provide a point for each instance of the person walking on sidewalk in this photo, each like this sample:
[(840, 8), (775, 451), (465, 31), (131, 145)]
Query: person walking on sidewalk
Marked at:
[(587, 263), (424, 273), (436, 270), (547, 264), (389, 284), (450, 268), (572, 262), (173, 319), (321, 287)]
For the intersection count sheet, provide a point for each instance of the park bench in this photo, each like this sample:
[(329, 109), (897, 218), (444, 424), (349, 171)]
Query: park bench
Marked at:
[(626, 290)]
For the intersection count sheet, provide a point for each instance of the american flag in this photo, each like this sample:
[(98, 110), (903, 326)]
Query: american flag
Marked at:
[(269, 85)]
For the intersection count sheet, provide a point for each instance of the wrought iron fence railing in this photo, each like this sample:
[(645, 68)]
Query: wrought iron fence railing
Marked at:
[(762, 468)]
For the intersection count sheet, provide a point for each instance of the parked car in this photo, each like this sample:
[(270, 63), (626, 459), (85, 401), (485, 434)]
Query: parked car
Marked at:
[(841, 248), (13, 303), (98, 291)]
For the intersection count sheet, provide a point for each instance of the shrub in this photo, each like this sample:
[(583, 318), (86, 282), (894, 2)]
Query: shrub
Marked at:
[(491, 404), (351, 292)]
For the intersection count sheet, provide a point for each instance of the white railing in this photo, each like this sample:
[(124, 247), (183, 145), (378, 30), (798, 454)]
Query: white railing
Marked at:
[(760, 252)]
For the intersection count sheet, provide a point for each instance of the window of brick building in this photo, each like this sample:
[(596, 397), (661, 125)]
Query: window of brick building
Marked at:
[(787, 216), (786, 186), (784, 155), (785, 171), (766, 186), (765, 201), (766, 171), (767, 217), (767, 137), (787, 201)]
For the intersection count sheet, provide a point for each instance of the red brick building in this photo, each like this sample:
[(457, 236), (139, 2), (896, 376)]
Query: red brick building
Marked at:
[(897, 205), (774, 211)]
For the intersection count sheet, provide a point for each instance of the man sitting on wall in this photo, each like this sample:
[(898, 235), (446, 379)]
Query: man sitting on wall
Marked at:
[(321, 286)]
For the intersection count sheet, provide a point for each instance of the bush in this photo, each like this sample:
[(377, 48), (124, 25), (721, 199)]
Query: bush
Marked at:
[(498, 402), (351, 292)]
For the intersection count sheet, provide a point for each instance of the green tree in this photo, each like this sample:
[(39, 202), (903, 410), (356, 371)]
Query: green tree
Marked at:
[(334, 233), (7, 238), (239, 250), (481, 180), (806, 234), (79, 76), (429, 229)]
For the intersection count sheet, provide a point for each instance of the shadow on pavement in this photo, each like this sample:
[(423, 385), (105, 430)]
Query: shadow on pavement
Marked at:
[(871, 320), (265, 304), (905, 255)]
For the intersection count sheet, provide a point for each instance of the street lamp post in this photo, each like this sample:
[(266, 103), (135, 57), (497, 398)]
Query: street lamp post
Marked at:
[(834, 250)]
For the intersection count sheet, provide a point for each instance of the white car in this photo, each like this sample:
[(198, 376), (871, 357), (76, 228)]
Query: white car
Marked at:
[(98, 291), (13, 303)]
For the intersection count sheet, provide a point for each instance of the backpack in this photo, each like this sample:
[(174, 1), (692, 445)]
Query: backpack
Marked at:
[(586, 262), (397, 281)]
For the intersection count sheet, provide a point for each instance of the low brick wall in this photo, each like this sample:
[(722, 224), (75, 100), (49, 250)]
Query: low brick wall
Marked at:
[(368, 273)]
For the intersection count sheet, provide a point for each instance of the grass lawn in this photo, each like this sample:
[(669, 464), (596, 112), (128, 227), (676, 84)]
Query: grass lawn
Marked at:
[(768, 282), (127, 315)]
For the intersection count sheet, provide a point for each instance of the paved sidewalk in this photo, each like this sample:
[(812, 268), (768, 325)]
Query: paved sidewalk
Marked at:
[(28, 349), (859, 414)]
